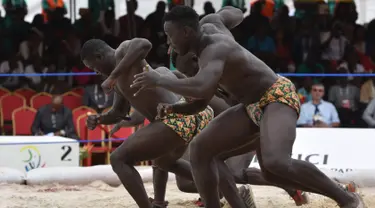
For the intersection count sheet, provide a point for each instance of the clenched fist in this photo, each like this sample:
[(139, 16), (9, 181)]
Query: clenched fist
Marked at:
[(92, 121)]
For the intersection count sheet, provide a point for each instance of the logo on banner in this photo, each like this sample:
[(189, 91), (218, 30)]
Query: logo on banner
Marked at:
[(33, 158), (316, 159)]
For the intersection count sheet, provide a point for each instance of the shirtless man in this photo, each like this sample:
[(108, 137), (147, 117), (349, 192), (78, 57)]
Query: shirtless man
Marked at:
[(163, 140), (268, 104), (238, 165)]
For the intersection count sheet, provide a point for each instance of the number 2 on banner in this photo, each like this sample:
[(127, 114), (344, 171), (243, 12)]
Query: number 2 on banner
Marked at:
[(67, 149)]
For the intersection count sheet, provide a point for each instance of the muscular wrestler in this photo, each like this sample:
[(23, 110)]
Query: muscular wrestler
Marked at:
[(163, 140), (238, 165), (268, 104)]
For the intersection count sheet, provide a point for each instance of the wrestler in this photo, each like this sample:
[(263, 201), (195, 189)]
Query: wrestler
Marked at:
[(268, 104), (163, 140)]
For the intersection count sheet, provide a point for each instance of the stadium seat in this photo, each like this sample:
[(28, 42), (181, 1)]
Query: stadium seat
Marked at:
[(97, 134), (82, 110), (72, 100), (26, 93), (23, 119), (122, 133), (40, 99), (78, 90), (3, 91), (8, 103)]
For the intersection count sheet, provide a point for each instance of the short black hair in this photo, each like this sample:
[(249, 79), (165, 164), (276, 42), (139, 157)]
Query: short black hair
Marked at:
[(93, 46), (184, 15)]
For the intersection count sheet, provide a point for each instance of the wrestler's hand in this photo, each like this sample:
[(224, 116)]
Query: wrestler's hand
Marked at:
[(108, 85), (92, 121), (118, 126), (146, 79), (163, 109)]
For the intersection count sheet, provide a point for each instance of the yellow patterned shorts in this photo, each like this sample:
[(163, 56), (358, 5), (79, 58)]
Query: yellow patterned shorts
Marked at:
[(282, 91), (187, 126)]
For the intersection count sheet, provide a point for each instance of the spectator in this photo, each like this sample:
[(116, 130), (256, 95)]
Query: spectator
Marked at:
[(50, 6), (305, 91), (359, 39), (13, 65), (98, 8), (154, 26), (95, 97), (124, 24), (351, 63), (32, 47), (261, 42), (54, 119), (240, 4), (345, 97), (285, 61), (335, 45), (367, 92), (311, 65), (110, 26), (369, 114), (208, 9), (317, 112)]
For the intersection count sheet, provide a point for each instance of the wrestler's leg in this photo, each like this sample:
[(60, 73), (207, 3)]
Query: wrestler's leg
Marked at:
[(183, 184), (147, 143), (227, 131), (160, 179), (278, 132)]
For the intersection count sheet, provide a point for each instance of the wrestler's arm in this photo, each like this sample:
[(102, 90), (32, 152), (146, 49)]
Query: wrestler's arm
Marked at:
[(228, 15), (204, 84), (135, 119), (188, 108), (134, 50), (120, 107)]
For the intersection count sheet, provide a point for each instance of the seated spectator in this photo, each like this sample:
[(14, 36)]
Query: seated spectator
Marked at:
[(12, 66), (261, 42), (369, 114), (367, 92), (54, 119), (351, 63), (334, 44), (317, 112), (283, 53), (345, 97), (311, 65), (32, 46), (95, 97), (358, 40), (305, 91)]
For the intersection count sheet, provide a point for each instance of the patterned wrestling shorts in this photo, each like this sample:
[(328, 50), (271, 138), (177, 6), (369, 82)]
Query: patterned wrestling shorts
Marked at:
[(282, 91), (187, 126)]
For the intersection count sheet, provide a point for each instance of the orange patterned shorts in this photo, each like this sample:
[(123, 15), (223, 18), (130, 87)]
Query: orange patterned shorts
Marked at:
[(282, 91), (188, 126)]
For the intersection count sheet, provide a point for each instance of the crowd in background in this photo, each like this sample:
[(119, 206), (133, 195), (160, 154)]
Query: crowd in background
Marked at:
[(317, 39)]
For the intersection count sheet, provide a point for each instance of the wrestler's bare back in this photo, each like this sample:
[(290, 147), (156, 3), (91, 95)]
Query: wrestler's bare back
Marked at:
[(146, 102), (244, 76)]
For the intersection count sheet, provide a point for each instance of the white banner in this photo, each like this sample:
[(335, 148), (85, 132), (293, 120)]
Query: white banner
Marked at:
[(25, 153), (338, 149)]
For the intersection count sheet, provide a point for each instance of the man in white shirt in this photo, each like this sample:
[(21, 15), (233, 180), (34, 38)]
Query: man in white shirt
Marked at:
[(317, 112)]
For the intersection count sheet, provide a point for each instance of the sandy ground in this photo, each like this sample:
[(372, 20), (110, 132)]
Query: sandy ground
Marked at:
[(99, 194)]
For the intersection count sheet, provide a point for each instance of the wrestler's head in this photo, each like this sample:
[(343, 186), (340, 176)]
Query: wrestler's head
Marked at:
[(181, 26), (98, 56)]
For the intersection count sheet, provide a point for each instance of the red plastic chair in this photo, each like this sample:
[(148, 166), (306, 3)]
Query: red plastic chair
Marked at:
[(40, 100), (3, 91), (26, 93), (8, 103), (97, 134), (82, 110), (78, 90), (122, 134), (72, 100), (23, 119)]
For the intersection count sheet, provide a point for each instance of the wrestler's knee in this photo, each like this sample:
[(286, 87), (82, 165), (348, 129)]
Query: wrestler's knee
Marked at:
[(183, 184), (198, 152), (276, 165), (118, 159)]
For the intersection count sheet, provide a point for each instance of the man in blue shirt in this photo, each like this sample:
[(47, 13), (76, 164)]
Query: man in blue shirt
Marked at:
[(317, 112)]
